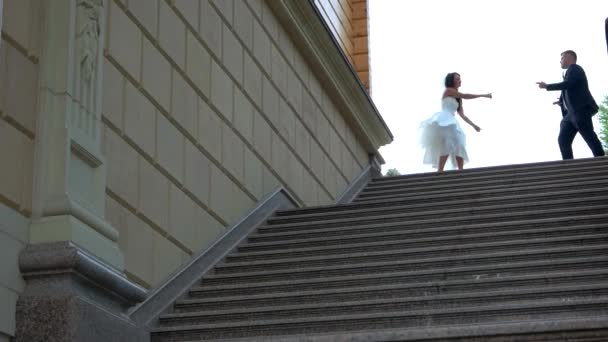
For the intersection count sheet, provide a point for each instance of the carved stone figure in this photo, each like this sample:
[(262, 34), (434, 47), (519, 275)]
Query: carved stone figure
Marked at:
[(87, 36)]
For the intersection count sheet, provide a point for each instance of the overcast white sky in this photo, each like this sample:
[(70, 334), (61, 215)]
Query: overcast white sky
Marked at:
[(502, 47)]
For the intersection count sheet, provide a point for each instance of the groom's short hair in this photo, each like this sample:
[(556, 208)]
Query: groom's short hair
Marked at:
[(572, 53)]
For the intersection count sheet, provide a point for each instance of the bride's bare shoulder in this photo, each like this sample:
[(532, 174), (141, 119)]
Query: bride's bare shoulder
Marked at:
[(451, 92)]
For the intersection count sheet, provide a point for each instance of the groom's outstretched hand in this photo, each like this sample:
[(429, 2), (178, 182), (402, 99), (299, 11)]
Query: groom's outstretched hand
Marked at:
[(488, 95), (542, 85)]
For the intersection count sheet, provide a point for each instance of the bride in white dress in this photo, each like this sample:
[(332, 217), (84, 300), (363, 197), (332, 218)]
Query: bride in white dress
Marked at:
[(441, 134)]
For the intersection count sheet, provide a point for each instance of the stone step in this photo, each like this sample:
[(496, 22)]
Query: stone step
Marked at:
[(559, 308), (419, 253), (455, 261), (490, 183), (469, 192), (572, 329), (201, 298), (496, 171), (577, 190), (386, 197), (439, 217), (442, 196), (552, 175), (213, 286), (200, 315), (386, 242), (265, 240)]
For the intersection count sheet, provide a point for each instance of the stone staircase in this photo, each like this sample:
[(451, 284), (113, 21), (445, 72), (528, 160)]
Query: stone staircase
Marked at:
[(510, 253)]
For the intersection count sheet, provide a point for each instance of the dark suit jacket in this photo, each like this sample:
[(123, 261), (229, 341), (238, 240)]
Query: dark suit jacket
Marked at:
[(575, 92), (606, 32)]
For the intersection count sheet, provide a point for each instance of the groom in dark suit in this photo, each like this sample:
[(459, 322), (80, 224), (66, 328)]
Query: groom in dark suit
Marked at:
[(578, 106)]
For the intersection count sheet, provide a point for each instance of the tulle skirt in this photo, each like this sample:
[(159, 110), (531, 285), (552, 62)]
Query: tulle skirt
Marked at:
[(442, 135)]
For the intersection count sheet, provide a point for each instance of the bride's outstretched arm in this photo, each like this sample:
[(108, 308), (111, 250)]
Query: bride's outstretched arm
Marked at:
[(475, 96), (455, 93), (467, 120)]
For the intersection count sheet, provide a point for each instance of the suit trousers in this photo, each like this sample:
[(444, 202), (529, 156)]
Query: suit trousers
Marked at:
[(583, 124)]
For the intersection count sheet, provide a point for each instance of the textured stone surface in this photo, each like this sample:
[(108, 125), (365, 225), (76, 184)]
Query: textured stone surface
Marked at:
[(72, 296), (71, 318)]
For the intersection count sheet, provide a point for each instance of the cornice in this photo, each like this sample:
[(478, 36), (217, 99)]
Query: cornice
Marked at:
[(312, 37)]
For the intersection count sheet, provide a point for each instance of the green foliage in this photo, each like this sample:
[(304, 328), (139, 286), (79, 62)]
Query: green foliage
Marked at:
[(392, 172), (603, 116)]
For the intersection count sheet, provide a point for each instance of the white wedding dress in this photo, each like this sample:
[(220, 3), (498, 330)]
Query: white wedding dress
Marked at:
[(442, 135)]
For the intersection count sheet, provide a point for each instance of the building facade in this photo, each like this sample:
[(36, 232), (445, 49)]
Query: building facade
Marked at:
[(134, 133)]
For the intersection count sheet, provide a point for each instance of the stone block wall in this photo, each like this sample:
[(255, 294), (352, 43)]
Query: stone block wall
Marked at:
[(208, 106)]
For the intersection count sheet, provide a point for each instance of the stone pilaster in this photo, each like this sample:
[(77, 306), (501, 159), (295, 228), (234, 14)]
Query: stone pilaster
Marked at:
[(69, 170), (73, 266)]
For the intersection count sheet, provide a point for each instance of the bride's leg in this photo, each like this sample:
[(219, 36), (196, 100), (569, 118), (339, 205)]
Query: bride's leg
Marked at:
[(459, 162), (442, 161)]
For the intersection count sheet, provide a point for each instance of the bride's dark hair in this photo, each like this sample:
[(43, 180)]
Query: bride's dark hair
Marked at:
[(449, 79), (449, 83)]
